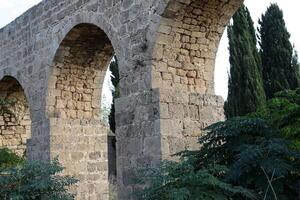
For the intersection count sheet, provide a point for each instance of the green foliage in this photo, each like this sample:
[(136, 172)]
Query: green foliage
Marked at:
[(180, 181), (280, 69), (246, 91), (9, 159), (263, 144), (35, 180), (283, 114), (251, 148), (296, 64)]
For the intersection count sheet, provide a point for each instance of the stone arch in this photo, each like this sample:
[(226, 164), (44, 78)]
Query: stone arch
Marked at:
[(15, 119), (79, 69), (183, 59), (187, 41), (73, 106), (58, 33)]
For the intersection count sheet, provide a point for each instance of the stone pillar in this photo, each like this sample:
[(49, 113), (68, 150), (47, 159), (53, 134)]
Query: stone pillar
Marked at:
[(138, 138), (38, 145), (81, 146), (156, 124)]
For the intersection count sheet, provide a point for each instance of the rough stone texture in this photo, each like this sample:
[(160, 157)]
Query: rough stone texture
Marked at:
[(59, 51), (183, 116), (79, 69), (138, 137), (187, 43), (82, 147)]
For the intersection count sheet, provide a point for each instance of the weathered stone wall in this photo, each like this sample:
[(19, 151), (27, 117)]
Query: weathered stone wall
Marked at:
[(15, 123), (183, 116), (138, 137), (166, 52)]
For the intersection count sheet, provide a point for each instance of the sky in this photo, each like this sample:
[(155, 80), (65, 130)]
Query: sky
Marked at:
[(10, 9)]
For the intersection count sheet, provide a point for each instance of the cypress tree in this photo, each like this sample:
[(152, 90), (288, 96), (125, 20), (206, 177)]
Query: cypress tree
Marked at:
[(115, 81), (279, 69), (246, 91), (112, 157)]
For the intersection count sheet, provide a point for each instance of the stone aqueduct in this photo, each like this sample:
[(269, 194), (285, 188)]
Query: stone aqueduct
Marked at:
[(53, 60)]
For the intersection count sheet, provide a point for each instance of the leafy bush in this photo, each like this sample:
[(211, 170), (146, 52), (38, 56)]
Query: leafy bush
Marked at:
[(180, 181), (256, 154), (9, 159), (283, 114), (35, 180), (257, 158)]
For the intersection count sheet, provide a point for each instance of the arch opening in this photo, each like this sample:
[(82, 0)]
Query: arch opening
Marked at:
[(79, 69), (78, 134), (15, 120)]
